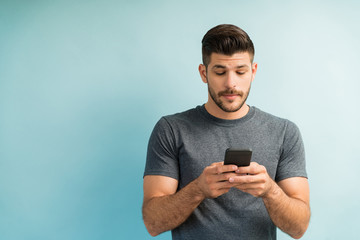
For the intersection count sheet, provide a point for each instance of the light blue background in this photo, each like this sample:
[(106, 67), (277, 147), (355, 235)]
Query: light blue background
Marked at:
[(82, 84)]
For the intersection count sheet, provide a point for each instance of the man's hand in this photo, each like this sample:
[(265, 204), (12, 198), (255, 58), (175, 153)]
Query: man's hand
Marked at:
[(287, 201), (253, 179), (165, 208), (214, 180)]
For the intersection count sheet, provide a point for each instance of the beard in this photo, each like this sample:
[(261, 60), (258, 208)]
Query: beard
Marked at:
[(226, 107)]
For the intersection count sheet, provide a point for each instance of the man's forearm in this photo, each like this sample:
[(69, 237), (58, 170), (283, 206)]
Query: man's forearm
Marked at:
[(291, 215), (168, 212)]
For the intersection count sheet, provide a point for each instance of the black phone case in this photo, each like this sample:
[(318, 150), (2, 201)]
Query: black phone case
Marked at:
[(239, 157)]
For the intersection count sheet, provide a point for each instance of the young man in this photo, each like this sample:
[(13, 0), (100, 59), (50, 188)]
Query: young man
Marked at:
[(188, 189)]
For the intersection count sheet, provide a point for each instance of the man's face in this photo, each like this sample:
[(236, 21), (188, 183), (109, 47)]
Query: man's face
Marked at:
[(229, 80)]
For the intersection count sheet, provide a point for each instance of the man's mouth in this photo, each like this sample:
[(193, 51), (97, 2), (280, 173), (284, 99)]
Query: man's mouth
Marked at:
[(230, 96)]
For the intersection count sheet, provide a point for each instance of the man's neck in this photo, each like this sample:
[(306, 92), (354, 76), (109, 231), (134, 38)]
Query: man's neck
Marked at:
[(214, 110)]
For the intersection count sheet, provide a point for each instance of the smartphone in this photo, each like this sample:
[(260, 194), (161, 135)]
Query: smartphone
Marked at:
[(238, 157)]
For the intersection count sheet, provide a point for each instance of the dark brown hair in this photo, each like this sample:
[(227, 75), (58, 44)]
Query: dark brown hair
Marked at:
[(226, 39)]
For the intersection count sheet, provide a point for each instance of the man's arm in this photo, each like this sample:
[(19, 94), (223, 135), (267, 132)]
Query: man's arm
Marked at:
[(165, 209), (288, 205), (287, 202)]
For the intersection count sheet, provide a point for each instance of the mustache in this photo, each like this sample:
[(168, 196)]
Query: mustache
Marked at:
[(231, 91)]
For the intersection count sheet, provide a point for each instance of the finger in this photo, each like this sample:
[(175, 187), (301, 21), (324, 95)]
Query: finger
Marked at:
[(219, 169), (253, 169), (246, 170), (244, 179), (224, 176), (224, 185), (250, 186), (217, 164)]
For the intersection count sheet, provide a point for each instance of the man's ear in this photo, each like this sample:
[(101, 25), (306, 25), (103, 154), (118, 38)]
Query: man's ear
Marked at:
[(254, 67), (202, 71)]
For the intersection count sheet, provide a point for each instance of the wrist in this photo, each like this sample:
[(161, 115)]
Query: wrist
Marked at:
[(272, 192), (197, 193)]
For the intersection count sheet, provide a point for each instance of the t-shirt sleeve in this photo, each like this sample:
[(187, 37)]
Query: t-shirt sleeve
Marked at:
[(162, 154), (292, 159)]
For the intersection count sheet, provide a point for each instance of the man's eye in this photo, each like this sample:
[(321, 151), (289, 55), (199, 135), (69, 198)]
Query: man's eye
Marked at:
[(240, 73), (220, 73)]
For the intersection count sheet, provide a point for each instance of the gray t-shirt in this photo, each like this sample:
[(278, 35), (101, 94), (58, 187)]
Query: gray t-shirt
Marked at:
[(183, 144)]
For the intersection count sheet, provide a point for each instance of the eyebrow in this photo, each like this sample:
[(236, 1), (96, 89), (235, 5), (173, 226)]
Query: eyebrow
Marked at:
[(223, 67)]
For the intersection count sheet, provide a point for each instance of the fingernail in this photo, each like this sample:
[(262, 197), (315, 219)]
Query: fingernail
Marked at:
[(231, 179)]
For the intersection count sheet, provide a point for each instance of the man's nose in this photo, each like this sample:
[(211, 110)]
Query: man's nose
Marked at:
[(230, 81)]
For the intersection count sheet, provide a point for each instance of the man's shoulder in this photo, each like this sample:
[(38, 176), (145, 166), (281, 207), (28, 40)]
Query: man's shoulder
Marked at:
[(266, 115), (273, 120), (184, 116), (179, 123)]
